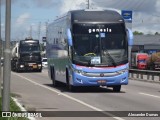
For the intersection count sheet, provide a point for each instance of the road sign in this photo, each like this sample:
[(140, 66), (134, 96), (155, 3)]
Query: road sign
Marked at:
[(44, 39), (127, 15)]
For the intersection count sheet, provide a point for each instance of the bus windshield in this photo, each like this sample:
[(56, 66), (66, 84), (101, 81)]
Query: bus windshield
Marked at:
[(100, 45)]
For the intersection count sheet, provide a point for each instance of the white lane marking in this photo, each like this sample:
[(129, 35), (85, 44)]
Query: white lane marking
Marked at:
[(72, 98), (150, 95), (22, 108)]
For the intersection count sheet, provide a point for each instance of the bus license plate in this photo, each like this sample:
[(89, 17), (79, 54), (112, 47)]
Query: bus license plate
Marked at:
[(34, 66), (101, 81)]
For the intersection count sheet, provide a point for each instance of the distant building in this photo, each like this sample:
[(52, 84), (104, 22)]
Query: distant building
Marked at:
[(146, 43)]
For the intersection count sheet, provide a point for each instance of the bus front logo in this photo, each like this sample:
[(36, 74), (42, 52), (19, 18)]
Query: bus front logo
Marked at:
[(101, 75), (99, 30)]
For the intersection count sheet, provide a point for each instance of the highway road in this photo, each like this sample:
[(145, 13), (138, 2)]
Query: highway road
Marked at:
[(35, 92)]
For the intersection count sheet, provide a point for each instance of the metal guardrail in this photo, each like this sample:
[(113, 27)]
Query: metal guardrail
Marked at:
[(144, 74)]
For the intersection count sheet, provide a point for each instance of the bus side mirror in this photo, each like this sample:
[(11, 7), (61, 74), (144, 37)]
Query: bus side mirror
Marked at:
[(69, 36), (130, 37)]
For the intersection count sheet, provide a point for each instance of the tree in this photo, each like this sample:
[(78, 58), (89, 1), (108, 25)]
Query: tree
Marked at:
[(156, 33), (42, 46), (137, 33)]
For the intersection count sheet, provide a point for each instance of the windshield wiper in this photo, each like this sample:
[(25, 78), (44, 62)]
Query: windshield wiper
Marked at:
[(107, 53)]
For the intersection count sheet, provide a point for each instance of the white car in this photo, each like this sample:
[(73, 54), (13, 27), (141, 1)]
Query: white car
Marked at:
[(44, 62)]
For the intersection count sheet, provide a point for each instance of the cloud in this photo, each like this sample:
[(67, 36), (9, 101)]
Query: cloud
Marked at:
[(145, 23), (19, 29), (37, 3), (47, 3), (146, 13), (135, 5), (22, 18), (72, 5), (158, 5), (3, 2)]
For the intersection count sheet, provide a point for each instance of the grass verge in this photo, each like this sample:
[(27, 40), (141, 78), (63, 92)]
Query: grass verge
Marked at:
[(13, 107)]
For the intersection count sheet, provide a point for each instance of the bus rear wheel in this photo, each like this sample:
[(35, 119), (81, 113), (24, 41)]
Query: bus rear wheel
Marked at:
[(54, 82), (40, 70), (117, 88)]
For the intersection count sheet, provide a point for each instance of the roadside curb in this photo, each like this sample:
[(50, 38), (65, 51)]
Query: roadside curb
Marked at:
[(22, 108)]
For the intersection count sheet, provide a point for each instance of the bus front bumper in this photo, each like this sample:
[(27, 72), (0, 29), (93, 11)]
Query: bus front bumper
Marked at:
[(80, 80)]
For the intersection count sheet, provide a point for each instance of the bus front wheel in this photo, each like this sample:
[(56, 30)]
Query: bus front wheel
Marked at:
[(69, 86), (117, 88)]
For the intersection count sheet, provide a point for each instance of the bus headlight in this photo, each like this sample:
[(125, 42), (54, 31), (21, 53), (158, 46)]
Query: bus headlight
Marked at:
[(39, 65), (21, 66), (78, 71), (122, 71)]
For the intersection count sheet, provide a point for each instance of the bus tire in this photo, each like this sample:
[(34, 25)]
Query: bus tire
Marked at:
[(39, 70), (69, 86), (54, 82), (117, 88), (50, 73)]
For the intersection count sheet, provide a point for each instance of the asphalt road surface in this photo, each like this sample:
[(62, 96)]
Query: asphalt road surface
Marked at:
[(35, 92)]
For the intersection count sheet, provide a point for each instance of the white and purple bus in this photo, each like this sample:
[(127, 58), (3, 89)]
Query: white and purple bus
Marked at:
[(89, 48)]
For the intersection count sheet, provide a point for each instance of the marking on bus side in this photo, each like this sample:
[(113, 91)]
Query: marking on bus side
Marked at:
[(72, 98), (150, 95)]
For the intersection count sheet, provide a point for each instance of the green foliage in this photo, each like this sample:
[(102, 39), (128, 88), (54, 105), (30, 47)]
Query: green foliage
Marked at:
[(137, 33), (13, 107), (156, 33), (42, 46)]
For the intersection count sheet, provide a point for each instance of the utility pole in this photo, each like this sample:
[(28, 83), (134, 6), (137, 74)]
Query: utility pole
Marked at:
[(87, 4), (30, 32), (44, 42), (0, 53), (7, 60), (46, 28), (39, 30)]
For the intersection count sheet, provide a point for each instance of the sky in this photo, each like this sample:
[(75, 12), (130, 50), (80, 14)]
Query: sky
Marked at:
[(30, 17)]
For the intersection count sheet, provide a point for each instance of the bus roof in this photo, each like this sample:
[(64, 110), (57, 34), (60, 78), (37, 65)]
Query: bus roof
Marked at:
[(96, 16)]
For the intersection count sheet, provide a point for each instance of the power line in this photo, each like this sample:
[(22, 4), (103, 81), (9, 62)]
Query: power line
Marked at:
[(39, 30), (46, 26)]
